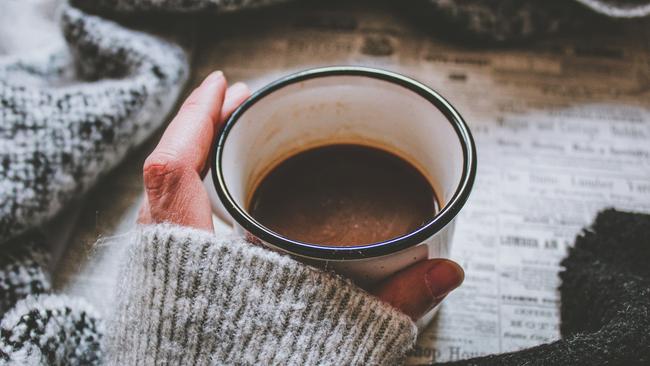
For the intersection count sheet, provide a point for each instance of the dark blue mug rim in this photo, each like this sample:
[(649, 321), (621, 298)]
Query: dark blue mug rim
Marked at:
[(439, 221)]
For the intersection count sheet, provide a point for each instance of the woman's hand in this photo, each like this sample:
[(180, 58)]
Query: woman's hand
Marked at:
[(173, 187), (174, 192)]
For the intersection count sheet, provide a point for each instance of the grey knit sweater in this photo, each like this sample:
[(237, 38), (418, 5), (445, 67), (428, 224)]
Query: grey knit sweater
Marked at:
[(190, 297)]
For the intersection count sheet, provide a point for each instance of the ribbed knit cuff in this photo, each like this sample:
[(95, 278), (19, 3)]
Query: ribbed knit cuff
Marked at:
[(189, 297)]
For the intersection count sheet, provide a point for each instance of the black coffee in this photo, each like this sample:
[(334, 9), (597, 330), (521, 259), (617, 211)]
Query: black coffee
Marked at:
[(343, 195)]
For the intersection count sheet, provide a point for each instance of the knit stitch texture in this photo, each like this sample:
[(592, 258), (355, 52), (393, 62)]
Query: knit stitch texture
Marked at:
[(51, 330), (37, 327), (486, 20), (507, 21), (70, 116), (22, 270), (619, 8), (190, 297), (171, 6)]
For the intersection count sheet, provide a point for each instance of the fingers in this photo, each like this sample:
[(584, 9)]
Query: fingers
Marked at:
[(173, 188), (235, 95), (418, 288), (175, 194), (189, 136)]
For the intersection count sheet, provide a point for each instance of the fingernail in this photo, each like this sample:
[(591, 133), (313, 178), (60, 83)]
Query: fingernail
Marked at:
[(443, 277), (214, 76)]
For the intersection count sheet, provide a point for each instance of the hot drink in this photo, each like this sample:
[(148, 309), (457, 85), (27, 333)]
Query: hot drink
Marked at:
[(343, 195)]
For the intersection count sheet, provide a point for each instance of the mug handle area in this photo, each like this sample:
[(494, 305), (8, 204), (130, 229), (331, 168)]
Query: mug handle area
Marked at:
[(215, 202)]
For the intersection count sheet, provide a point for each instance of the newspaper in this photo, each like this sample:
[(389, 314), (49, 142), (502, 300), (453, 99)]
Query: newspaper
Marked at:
[(562, 128)]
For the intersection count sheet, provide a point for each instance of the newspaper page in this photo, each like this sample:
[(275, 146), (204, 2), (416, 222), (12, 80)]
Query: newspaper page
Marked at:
[(562, 128)]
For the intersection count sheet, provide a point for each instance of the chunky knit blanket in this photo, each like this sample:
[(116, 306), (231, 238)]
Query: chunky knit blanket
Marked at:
[(69, 116), (55, 141)]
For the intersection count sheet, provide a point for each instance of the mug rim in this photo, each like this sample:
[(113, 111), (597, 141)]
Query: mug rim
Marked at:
[(413, 238)]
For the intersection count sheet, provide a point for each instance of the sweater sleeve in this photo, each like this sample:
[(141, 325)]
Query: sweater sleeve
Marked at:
[(189, 297)]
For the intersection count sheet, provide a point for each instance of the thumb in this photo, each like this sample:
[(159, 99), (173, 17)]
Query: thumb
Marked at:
[(418, 288)]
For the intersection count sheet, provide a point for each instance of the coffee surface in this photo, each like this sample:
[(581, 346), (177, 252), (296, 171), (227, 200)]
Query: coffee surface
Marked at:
[(343, 195)]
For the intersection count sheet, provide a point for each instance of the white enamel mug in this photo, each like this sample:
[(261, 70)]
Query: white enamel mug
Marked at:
[(336, 105)]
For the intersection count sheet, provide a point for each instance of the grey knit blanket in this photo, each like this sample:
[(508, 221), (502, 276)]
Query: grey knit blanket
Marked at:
[(70, 115)]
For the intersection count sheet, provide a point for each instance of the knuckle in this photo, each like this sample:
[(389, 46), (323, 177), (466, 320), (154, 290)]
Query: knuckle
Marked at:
[(191, 105), (197, 116), (161, 172), (193, 109)]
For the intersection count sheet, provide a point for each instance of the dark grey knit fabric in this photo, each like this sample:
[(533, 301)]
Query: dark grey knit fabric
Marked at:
[(505, 21), (171, 6), (22, 270), (605, 308), (51, 330), (488, 20), (614, 8), (36, 327), (517, 19), (68, 117)]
